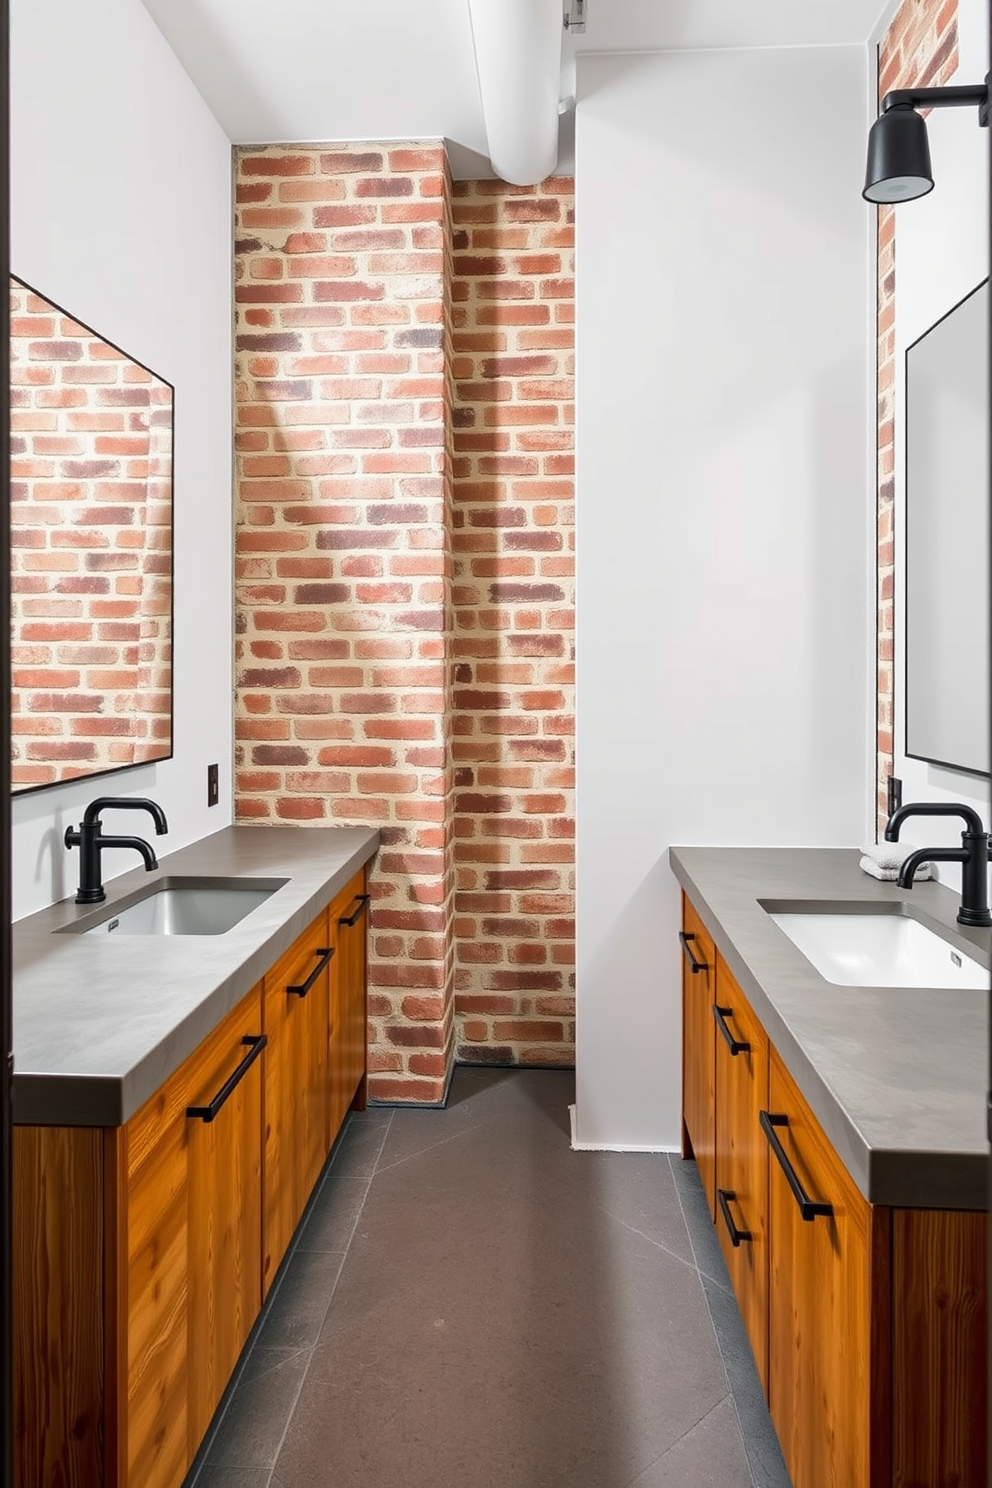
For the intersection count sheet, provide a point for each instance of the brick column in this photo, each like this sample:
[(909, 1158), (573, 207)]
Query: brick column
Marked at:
[(343, 548), (514, 612)]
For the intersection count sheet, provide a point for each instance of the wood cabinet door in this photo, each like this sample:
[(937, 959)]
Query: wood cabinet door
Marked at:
[(699, 1049), (296, 1002), (58, 1306), (742, 1158), (348, 916), (940, 1347), (224, 1206), (148, 1385), (828, 1334)]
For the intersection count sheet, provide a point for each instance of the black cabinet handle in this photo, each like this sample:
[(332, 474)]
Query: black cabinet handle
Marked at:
[(362, 901), (807, 1208), (325, 953), (724, 1199), (736, 1046), (689, 954), (255, 1045)]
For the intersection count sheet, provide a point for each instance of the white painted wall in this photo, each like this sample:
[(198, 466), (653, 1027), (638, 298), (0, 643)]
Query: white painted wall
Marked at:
[(121, 211), (724, 512), (942, 252)]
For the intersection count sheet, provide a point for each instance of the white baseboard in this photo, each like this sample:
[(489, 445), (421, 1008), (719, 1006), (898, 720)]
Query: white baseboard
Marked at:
[(578, 1146)]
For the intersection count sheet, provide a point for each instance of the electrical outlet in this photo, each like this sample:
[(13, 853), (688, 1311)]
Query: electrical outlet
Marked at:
[(213, 785), (894, 792)]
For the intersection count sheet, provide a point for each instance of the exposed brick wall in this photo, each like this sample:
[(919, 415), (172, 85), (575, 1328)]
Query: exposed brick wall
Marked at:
[(514, 614), (405, 608), (920, 49), (343, 548), (91, 512)]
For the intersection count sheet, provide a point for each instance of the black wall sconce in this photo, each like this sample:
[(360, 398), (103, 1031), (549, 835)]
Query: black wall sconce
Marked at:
[(898, 149)]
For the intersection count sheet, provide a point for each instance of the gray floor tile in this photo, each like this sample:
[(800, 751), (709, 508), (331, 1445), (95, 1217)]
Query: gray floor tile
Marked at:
[(509, 1314), (258, 1413), (761, 1443), (709, 1455), (360, 1144), (300, 1305), (233, 1477), (638, 1191), (517, 1289), (334, 1214), (699, 1222)]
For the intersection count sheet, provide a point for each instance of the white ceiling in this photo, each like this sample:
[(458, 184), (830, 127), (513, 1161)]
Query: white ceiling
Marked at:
[(280, 70)]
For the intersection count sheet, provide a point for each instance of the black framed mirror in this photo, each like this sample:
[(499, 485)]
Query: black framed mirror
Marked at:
[(91, 550)]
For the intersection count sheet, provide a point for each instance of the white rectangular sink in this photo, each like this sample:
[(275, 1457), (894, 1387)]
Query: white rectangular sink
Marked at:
[(879, 950), (184, 907)]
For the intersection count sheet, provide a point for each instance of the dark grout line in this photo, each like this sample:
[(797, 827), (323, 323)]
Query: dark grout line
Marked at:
[(709, 1313), (203, 1454), (347, 1250)]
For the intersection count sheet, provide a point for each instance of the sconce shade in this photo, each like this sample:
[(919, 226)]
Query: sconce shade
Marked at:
[(898, 157)]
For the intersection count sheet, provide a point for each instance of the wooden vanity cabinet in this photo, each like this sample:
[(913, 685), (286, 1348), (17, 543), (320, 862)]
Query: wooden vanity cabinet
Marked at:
[(348, 1021), (296, 1012), (828, 1312), (314, 1018), (699, 1049), (137, 1277), (742, 1158), (869, 1325), (142, 1253), (224, 1206)]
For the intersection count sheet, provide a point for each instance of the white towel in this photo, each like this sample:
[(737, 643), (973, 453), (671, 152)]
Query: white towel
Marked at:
[(884, 859)]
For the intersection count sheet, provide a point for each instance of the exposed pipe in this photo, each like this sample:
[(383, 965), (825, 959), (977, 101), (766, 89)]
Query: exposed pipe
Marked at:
[(518, 59)]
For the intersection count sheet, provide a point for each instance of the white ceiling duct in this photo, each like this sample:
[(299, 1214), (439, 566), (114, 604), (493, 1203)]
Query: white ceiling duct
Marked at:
[(518, 58)]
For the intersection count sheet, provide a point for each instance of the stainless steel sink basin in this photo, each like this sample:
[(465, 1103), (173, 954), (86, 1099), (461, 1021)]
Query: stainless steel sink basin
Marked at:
[(181, 906), (876, 950)]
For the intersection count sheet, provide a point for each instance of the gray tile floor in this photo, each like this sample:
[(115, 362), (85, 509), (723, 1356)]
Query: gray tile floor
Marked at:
[(470, 1304)]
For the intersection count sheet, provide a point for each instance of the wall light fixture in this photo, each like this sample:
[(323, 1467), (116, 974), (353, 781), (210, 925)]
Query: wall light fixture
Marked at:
[(898, 149)]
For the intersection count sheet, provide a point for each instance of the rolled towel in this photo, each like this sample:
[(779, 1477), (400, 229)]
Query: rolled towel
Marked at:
[(884, 859)]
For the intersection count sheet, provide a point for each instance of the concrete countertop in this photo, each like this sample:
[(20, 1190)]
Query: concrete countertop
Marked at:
[(100, 1021), (896, 1077)]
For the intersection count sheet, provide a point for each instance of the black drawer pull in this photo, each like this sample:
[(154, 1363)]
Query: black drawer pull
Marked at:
[(363, 903), (724, 1198), (254, 1044), (736, 1046), (689, 954), (325, 953), (807, 1208)]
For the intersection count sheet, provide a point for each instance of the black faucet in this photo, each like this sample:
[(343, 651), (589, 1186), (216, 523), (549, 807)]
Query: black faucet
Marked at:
[(973, 854), (90, 841)]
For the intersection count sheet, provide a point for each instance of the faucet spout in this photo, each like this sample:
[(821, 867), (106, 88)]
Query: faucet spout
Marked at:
[(138, 843), (973, 855), (928, 855)]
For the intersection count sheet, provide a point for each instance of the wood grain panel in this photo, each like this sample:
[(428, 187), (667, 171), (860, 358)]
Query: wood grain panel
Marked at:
[(295, 1093), (742, 1160), (822, 1310), (156, 1302), (58, 1306), (115, 1271), (940, 1352), (699, 1054), (349, 1021), (224, 1214)]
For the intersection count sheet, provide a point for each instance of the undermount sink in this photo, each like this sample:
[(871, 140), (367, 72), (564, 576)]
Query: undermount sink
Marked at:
[(877, 950), (182, 907)]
